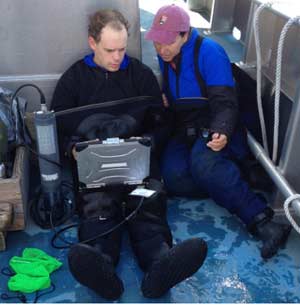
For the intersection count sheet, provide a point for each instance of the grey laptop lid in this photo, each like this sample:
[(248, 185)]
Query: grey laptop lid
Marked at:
[(112, 162)]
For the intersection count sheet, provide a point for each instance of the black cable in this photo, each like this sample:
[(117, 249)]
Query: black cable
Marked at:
[(36, 206), (38, 295), (20, 296), (57, 233), (4, 296), (43, 99), (40, 156), (19, 114), (118, 225), (7, 271)]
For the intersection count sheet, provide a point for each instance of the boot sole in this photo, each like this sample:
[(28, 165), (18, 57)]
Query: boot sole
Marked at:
[(181, 262), (91, 269), (267, 253)]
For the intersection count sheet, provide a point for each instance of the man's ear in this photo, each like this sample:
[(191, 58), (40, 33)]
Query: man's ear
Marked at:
[(185, 37), (92, 43)]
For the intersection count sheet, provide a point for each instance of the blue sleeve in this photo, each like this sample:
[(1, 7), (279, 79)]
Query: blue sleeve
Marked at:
[(215, 65), (216, 70)]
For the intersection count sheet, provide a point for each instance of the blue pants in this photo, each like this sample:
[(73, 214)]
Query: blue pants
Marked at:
[(199, 170)]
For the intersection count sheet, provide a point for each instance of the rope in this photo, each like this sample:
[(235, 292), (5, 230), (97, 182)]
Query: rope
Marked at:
[(258, 73), (287, 212), (278, 84)]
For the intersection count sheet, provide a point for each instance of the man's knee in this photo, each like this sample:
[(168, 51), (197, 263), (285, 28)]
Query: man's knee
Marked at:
[(100, 214), (178, 181), (213, 169), (104, 204), (203, 164)]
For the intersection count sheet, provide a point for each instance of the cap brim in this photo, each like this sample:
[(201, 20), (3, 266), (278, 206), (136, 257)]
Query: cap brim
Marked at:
[(163, 37)]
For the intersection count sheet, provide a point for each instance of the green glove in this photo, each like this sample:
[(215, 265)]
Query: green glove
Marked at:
[(49, 262), (32, 270), (27, 284)]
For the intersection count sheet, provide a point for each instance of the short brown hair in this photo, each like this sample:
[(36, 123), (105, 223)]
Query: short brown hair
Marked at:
[(104, 17)]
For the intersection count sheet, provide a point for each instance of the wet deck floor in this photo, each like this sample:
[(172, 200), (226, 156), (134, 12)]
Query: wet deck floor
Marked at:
[(232, 273)]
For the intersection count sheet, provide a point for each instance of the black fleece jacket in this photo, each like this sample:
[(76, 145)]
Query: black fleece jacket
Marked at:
[(85, 83)]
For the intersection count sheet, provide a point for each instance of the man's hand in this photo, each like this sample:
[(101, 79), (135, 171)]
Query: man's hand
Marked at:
[(165, 100), (74, 153), (218, 141)]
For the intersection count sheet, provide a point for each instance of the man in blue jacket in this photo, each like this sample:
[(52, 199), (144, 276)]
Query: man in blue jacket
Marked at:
[(198, 83)]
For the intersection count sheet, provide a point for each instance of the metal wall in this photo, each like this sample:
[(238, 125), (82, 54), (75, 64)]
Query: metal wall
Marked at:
[(223, 14), (289, 164), (240, 13), (241, 17), (204, 7), (271, 23), (40, 39), (228, 14)]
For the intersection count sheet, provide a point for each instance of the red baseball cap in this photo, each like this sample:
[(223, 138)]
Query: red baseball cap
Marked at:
[(168, 22)]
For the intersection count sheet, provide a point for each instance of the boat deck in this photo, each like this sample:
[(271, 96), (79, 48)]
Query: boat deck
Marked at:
[(233, 272)]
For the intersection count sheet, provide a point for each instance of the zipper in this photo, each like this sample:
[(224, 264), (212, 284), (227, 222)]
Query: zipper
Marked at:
[(123, 209), (177, 73), (177, 84)]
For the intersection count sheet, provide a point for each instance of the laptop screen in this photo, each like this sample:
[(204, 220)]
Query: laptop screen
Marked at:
[(112, 162)]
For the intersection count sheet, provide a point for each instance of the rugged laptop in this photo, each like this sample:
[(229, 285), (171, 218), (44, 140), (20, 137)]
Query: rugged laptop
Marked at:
[(112, 162)]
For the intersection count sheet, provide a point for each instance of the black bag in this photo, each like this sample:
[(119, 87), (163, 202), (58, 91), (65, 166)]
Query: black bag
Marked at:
[(12, 115)]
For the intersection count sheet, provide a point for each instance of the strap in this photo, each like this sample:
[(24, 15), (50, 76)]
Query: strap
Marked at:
[(166, 78), (199, 77)]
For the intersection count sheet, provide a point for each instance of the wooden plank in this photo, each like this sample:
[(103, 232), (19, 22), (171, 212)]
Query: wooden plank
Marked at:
[(15, 190), (10, 190), (2, 241)]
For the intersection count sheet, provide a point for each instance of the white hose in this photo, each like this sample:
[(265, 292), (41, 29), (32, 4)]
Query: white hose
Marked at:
[(278, 85), (258, 73), (287, 212)]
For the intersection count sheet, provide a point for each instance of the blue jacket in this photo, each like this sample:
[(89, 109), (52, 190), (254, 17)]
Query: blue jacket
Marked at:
[(215, 69)]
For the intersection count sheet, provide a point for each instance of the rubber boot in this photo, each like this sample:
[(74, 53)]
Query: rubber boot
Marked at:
[(272, 234), (95, 270), (174, 266)]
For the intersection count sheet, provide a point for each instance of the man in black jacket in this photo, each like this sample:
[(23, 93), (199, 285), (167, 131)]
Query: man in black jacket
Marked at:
[(109, 74)]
